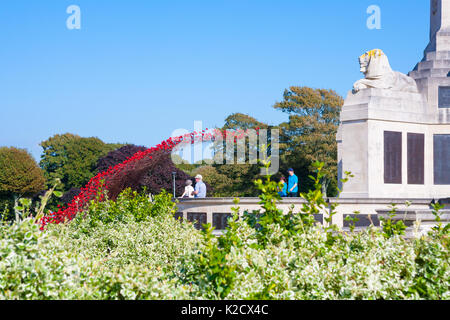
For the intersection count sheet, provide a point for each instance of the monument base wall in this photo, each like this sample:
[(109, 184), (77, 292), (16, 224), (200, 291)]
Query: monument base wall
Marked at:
[(377, 132), (216, 211)]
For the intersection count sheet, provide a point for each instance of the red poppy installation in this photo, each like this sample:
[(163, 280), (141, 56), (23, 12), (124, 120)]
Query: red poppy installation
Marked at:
[(97, 186)]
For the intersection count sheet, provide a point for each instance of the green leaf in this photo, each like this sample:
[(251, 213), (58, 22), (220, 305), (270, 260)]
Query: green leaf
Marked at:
[(58, 194)]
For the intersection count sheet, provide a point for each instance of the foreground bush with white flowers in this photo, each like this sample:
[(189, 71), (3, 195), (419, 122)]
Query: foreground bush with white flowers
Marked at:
[(133, 248)]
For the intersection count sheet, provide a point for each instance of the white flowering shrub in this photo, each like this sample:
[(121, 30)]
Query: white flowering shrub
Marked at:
[(358, 266), (272, 255), (133, 248), (32, 265), (128, 257)]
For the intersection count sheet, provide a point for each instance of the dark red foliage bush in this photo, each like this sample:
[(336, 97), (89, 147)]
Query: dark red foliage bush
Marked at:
[(118, 156), (154, 174), (69, 195)]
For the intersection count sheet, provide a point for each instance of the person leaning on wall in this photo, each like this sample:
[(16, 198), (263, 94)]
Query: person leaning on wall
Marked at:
[(200, 187), (283, 192), (292, 184), (188, 190)]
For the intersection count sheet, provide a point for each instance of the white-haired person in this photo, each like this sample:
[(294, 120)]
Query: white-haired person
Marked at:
[(200, 187), (188, 190)]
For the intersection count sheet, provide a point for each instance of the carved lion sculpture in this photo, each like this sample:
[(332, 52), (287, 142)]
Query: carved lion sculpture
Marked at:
[(378, 74)]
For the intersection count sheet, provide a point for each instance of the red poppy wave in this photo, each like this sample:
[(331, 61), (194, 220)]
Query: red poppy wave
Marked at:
[(94, 189)]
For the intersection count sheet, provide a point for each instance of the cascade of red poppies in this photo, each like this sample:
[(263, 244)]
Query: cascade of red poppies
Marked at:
[(97, 186)]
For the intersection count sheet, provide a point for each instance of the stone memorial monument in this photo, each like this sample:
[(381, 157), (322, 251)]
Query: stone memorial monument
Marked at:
[(395, 128)]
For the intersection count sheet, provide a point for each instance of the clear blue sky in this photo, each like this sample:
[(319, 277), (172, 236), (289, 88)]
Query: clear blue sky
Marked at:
[(139, 69)]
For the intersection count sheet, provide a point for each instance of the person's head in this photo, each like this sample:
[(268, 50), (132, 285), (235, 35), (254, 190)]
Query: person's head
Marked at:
[(198, 178), (188, 183), (291, 172), (283, 179)]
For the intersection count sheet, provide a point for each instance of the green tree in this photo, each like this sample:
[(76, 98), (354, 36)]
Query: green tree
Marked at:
[(235, 179), (241, 177), (310, 133), (243, 121), (230, 180), (72, 159), (190, 168), (20, 176)]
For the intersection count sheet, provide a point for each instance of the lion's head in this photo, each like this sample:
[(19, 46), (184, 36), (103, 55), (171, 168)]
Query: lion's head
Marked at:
[(378, 74), (374, 64)]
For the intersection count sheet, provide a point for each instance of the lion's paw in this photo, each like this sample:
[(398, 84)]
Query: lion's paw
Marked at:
[(358, 86)]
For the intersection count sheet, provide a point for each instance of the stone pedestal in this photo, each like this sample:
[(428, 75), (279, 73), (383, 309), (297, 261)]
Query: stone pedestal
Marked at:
[(397, 144), (387, 139)]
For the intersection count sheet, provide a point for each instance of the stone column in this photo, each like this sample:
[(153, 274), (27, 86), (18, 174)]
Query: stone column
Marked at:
[(439, 26)]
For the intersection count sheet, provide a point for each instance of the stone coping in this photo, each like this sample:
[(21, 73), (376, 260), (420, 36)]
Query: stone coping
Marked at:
[(419, 201), (416, 201), (413, 215)]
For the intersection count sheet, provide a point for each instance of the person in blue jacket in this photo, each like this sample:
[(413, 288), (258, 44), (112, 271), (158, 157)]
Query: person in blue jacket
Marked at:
[(283, 192), (292, 184)]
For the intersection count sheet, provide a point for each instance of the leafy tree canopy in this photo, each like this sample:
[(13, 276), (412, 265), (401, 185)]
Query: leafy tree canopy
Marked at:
[(233, 179), (19, 173), (72, 159), (223, 185), (243, 121), (310, 133)]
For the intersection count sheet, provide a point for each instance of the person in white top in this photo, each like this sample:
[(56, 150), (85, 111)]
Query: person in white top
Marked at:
[(188, 190)]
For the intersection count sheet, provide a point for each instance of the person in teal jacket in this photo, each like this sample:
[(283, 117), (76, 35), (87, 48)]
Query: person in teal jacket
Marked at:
[(283, 192), (292, 184)]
